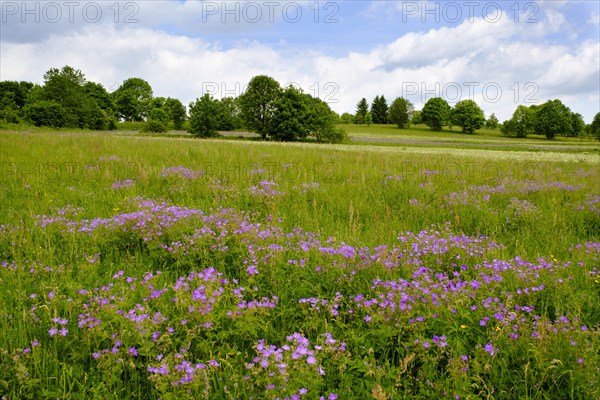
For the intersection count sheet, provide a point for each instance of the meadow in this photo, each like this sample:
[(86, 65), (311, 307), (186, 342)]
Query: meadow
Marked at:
[(139, 267)]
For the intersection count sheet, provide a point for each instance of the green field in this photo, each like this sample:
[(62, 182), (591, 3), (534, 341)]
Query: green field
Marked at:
[(455, 136), (165, 267)]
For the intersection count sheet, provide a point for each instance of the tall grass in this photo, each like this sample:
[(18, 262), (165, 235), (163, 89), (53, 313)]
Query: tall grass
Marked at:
[(140, 267)]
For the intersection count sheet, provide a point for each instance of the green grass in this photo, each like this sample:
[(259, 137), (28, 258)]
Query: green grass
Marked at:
[(422, 132), (318, 222)]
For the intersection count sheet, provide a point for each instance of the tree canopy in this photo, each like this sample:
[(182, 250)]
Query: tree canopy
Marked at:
[(379, 110), (132, 99), (595, 126), (258, 104), (468, 115), (362, 108), (435, 113), (204, 117), (553, 118), (401, 112)]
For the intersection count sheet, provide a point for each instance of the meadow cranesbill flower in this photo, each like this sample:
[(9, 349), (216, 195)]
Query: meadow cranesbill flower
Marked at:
[(490, 349)]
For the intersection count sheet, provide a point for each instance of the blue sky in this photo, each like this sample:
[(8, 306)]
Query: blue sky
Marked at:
[(501, 53)]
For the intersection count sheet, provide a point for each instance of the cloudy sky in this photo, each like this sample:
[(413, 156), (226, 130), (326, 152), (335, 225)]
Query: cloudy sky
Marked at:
[(500, 54)]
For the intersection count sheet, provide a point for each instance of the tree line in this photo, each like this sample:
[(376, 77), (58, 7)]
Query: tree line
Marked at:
[(436, 114), (550, 119), (68, 100), (283, 114)]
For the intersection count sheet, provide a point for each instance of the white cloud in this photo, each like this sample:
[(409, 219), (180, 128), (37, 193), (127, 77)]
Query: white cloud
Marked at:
[(475, 55)]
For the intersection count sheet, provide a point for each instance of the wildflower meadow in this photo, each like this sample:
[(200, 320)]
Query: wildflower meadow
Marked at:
[(154, 268)]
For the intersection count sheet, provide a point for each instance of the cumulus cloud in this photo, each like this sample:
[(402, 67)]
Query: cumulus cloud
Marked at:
[(499, 65)]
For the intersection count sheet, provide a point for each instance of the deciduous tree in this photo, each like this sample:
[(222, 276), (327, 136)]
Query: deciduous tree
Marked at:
[(291, 113), (132, 99), (553, 118), (521, 124), (204, 117), (492, 122), (595, 126), (176, 111), (258, 104), (436, 113), (468, 115)]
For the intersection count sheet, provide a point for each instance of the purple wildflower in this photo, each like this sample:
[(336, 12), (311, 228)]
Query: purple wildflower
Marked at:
[(490, 349)]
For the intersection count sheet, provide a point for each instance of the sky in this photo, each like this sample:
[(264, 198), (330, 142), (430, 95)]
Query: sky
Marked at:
[(499, 53)]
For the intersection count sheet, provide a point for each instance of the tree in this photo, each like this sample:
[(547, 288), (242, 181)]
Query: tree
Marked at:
[(320, 119), (595, 126), (436, 113), (468, 115), (292, 110), (132, 99), (257, 104), (45, 113), (176, 112), (158, 116), (417, 118), (107, 118), (75, 76), (368, 119), (362, 108), (521, 123), (229, 114), (157, 121), (65, 86), (204, 118), (14, 94), (379, 110), (553, 118), (492, 122), (347, 118), (13, 97), (401, 112), (577, 124), (80, 103), (97, 92)]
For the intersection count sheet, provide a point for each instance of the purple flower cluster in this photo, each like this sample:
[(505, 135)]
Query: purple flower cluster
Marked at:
[(519, 209), (265, 189), (182, 172), (184, 307), (592, 204), (60, 216), (296, 354), (478, 196), (331, 306), (59, 327), (122, 184)]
